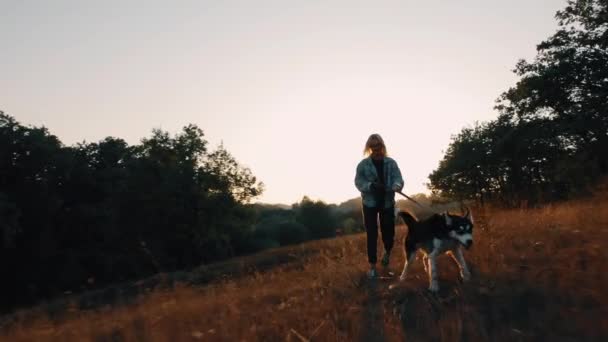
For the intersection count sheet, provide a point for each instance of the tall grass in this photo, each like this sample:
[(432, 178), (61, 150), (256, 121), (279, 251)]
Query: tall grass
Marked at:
[(537, 274)]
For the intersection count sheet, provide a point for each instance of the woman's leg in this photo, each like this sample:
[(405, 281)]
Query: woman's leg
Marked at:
[(387, 227), (370, 219)]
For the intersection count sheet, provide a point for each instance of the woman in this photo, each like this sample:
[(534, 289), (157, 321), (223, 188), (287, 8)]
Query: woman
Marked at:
[(377, 178)]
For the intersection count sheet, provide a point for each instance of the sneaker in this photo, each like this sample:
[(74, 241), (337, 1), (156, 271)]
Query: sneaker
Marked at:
[(385, 258), (372, 273)]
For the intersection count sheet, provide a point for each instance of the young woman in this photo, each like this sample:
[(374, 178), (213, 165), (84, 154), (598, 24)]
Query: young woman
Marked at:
[(377, 178)]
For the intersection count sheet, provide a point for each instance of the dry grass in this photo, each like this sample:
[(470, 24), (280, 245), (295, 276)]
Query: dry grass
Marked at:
[(318, 295), (538, 275)]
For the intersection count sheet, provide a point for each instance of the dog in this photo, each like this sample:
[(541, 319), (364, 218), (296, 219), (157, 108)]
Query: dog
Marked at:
[(440, 233)]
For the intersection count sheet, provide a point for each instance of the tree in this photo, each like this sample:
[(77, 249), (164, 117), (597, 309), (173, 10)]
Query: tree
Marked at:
[(241, 183), (109, 211), (566, 87), (317, 217), (551, 134)]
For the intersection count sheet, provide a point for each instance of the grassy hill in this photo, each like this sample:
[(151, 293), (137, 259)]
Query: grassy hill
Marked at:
[(537, 275)]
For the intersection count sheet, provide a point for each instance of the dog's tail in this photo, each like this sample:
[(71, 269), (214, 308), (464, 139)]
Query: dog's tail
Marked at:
[(408, 218)]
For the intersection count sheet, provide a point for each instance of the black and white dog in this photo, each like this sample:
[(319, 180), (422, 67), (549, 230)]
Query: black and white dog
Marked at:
[(440, 233)]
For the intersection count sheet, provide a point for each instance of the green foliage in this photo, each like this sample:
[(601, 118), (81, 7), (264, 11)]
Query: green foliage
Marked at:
[(350, 216), (550, 138), (109, 211), (259, 244), (241, 183), (72, 217), (350, 225), (317, 217), (279, 225)]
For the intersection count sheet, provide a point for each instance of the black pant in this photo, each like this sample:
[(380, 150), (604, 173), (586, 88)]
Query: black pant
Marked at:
[(387, 226)]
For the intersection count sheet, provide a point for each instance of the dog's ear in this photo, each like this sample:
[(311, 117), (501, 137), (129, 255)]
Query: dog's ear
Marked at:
[(469, 215), (448, 218)]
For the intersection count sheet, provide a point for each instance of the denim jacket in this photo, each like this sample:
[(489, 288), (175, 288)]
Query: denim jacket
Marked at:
[(366, 174)]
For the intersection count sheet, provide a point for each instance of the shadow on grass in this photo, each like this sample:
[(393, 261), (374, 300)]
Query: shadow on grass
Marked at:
[(494, 309), (128, 293), (373, 314)]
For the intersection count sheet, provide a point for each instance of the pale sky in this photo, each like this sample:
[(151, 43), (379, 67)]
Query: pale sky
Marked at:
[(292, 88)]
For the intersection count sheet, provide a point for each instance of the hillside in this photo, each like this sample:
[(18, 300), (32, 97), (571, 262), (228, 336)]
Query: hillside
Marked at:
[(537, 275)]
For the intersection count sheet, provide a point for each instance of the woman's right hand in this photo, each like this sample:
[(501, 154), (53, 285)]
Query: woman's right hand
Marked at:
[(375, 186)]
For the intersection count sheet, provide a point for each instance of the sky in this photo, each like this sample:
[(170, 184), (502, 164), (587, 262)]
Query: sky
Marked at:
[(291, 88)]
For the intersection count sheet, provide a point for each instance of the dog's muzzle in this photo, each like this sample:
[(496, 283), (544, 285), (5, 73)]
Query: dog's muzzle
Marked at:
[(468, 244)]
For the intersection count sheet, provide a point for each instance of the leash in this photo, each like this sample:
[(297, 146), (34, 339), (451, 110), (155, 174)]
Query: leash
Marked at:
[(423, 206), (413, 200)]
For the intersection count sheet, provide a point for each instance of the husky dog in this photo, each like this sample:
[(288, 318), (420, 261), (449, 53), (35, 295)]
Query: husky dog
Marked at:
[(440, 233)]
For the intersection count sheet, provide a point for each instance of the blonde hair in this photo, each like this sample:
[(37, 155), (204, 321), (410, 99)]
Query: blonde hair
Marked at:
[(367, 150)]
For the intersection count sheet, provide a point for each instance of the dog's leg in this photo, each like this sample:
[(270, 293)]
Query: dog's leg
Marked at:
[(458, 258), (425, 263), (410, 254), (432, 272)]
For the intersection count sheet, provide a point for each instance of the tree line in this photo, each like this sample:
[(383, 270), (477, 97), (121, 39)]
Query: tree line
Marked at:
[(550, 138), (83, 216)]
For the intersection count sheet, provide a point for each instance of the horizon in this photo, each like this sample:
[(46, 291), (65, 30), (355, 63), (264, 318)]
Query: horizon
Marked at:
[(292, 92)]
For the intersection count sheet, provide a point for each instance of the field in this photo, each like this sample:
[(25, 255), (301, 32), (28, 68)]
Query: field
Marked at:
[(538, 274)]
